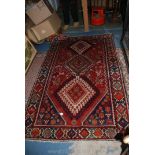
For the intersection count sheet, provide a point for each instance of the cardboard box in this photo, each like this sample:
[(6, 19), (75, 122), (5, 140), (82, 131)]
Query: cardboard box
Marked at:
[(45, 29), (39, 12)]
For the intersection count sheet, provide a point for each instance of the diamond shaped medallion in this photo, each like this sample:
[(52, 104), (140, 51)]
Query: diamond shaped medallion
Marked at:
[(76, 94), (80, 46), (78, 64)]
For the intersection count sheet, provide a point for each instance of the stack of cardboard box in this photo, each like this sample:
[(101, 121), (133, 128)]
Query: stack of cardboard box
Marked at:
[(45, 21)]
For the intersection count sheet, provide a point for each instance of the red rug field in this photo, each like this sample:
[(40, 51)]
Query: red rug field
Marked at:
[(79, 93)]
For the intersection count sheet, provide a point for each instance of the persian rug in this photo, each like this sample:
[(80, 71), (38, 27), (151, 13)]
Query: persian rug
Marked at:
[(79, 93)]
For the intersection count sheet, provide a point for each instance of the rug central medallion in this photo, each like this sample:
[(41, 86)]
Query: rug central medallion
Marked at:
[(80, 46), (76, 94), (78, 64)]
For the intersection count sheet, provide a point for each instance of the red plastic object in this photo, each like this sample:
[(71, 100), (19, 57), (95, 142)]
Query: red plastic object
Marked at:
[(98, 16)]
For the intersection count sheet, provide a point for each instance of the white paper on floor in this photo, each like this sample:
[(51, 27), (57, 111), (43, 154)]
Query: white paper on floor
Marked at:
[(95, 148)]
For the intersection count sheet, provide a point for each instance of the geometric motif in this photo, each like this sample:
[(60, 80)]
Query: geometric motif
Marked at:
[(80, 46), (98, 133), (119, 95), (120, 108), (84, 133), (72, 133), (78, 64), (79, 93), (48, 114), (102, 114), (76, 94), (123, 123), (117, 85)]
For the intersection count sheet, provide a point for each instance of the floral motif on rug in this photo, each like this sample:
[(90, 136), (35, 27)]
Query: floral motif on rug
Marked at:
[(79, 93)]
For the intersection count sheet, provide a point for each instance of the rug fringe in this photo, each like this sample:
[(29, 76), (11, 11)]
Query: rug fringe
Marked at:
[(63, 141)]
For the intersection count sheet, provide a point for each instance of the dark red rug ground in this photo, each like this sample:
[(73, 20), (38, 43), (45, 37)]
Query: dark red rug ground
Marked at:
[(79, 92)]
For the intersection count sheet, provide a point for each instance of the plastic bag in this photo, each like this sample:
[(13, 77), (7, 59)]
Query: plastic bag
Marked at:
[(54, 4)]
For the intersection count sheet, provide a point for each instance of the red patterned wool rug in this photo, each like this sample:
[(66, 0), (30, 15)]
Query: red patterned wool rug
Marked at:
[(79, 93)]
